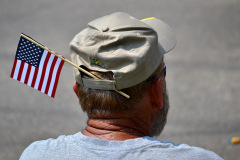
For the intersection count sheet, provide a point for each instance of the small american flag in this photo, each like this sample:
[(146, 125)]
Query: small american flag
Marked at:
[(36, 67)]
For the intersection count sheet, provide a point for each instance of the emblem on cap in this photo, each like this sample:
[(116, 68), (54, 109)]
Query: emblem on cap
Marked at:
[(95, 61)]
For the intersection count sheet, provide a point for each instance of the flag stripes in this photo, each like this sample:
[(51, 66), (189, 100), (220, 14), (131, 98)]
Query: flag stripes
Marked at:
[(35, 73), (50, 73), (24, 72), (45, 78), (30, 79), (56, 78), (41, 74), (13, 69), (27, 74), (20, 70)]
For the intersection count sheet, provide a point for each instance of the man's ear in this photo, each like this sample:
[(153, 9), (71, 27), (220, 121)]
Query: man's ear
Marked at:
[(155, 92), (75, 88)]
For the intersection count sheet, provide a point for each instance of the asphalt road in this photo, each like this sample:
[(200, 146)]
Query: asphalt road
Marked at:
[(203, 72)]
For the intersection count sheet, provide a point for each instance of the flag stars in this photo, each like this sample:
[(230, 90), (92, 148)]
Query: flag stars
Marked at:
[(29, 52)]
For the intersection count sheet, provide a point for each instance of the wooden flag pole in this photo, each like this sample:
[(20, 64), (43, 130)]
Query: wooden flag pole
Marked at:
[(66, 60)]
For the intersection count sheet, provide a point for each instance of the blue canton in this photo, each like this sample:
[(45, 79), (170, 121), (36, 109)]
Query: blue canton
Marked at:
[(29, 52)]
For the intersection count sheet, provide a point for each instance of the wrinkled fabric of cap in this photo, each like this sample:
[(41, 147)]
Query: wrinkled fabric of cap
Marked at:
[(131, 49)]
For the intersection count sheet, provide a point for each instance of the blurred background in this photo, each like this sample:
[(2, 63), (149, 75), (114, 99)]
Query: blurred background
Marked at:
[(203, 72)]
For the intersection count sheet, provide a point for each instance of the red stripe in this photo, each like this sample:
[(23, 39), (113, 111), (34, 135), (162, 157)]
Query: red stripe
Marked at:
[(13, 69), (34, 77), (27, 74), (50, 74), (20, 71), (57, 78), (43, 71)]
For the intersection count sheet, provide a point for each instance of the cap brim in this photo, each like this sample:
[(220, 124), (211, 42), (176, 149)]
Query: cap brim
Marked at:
[(166, 37)]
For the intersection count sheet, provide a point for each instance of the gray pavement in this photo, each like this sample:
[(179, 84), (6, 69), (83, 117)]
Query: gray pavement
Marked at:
[(203, 72)]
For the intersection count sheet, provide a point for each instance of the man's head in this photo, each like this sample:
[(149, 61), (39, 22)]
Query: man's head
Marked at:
[(125, 53)]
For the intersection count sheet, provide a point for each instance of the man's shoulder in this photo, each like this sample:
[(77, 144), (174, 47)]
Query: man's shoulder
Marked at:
[(180, 151), (44, 149), (194, 153)]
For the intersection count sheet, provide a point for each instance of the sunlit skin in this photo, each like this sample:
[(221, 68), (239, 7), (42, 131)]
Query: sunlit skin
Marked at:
[(125, 126)]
